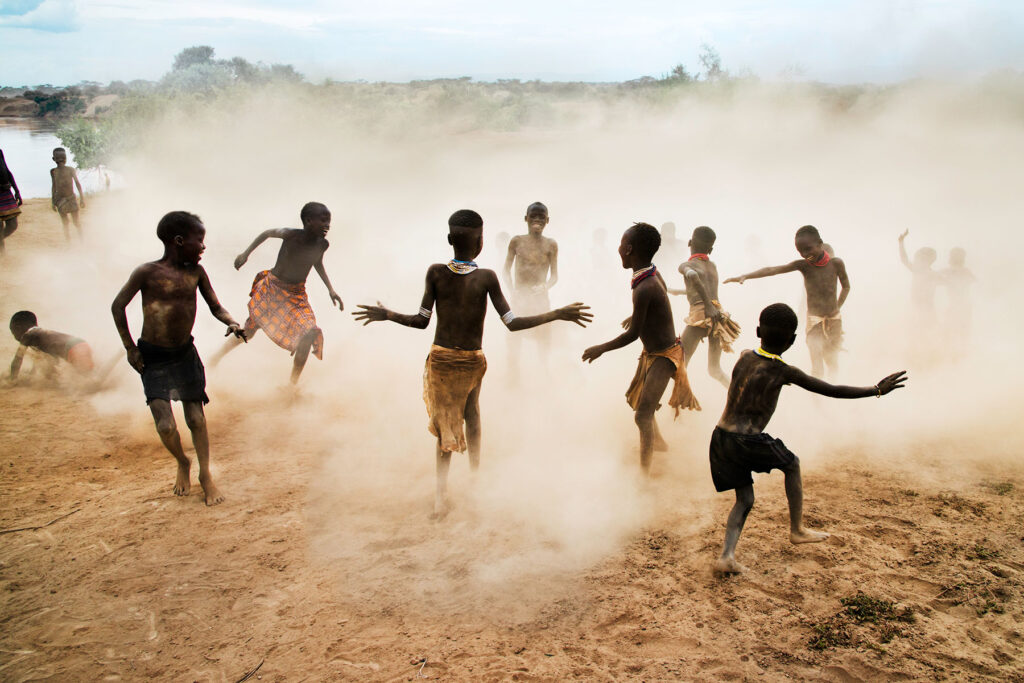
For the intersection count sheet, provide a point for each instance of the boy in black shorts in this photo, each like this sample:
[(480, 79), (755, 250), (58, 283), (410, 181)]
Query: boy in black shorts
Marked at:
[(739, 445)]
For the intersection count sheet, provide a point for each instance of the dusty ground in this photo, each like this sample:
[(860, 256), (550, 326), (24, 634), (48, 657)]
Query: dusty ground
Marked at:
[(320, 573)]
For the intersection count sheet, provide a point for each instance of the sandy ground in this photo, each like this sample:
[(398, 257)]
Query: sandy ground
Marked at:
[(319, 573)]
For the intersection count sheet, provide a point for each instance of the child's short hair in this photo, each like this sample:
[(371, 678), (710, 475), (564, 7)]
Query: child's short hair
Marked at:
[(23, 320), (177, 223), (777, 324), (466, 218), (536, 205), (926, 254), (810, 231), (59, 149), (645, 238), (310, 208), (703, 236)]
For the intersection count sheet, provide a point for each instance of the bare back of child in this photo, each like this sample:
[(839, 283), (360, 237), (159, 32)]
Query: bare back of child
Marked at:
[(739, 445)]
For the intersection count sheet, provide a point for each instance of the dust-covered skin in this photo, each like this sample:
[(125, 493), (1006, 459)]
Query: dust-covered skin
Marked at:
[(701, 278), (63, 182)]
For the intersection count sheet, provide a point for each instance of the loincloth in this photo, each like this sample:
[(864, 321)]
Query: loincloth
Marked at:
[(283, 312), (727, 331), (682, 395), (173, 373), (66, 205), (450, 375), (8, 204), (831, 328)]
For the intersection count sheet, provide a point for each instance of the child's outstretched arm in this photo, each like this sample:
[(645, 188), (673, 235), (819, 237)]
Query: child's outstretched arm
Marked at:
[(19, 355), (260, 239), (420, 320), (641, 302), (903, 251), (800, 378), (335, 299), (118, 310), (576, 313), (218, 311), (767, 272)]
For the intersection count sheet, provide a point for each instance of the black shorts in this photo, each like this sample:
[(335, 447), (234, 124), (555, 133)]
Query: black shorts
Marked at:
[(173, 374), (734, 456)]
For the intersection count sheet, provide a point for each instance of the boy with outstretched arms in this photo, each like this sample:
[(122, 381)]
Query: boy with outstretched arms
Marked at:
[(821, 272), (706, 318), (63, 181), (165, 355), (535, 258), (456, 364), (278, 303), (739, 445), (651, 322)]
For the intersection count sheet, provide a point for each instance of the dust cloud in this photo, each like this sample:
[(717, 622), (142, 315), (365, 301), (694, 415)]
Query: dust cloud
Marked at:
[(559, 487)]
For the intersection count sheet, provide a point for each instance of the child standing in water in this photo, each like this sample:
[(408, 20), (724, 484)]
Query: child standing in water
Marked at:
[(651, 322), (278, 303), (739, 445), (165, 355), (63, 181), (10, 202), (821, 272), (455, 366)]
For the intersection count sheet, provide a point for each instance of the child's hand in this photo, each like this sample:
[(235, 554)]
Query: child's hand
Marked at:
[(576, 313), (592, 354), (904, 235), (739, 279), (135, 359), (625, 323), (53, 206), (81, 204), (240, 261), (714, 313), (335, 299), (892, 382), (236, 329), (18, 197), (371, 314)]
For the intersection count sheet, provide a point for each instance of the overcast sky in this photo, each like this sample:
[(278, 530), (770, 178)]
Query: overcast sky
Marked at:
[(66, 41)]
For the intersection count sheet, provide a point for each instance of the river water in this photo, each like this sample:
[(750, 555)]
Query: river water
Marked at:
[(28, 147)]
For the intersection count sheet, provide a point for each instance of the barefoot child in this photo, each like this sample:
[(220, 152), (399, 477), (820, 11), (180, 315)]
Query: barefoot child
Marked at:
[(456, 364), (10, 202), (60, 346), (706, 320), (63, 181), (278, 303), (739, 445), (166, 356), (820, 272), (651, 322), (923, 284), (535, 258)]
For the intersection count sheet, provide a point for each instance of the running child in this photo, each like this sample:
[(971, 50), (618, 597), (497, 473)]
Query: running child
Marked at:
[(821, 272), (63, 181), (165, 355), (739, 445), (455, 366), (278, 303), (651, 322)]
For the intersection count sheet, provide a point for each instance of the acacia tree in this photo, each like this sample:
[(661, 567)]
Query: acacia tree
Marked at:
[(197, 54)]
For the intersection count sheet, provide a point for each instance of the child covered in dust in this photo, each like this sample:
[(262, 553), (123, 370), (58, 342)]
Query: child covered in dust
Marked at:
[(278, 303), (739, 445), (57, 345), (455, 366), (535, 258), (706, 319), (10, 203), (63, 181), (923, 284), (958, 281), (821, 272), (651, 322), (165, 355)]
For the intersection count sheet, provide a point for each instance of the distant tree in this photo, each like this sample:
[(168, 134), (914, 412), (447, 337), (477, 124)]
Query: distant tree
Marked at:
[(244, 70), (285, 72), (712, 63), (679, 74), (197, 54)]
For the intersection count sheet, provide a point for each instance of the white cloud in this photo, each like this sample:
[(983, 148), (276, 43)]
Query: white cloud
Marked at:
[(54, 16)]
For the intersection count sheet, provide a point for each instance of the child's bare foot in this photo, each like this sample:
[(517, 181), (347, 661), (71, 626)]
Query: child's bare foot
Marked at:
[(659, 445), (441, 509), (213, 494), (182, 485), (807, 536), (729, 565)]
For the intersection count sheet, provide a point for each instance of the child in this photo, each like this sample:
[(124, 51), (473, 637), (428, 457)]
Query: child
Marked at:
[(26, 330), (651, 322), (924, 281), (10, 202), (278, 303), (534, 257), (821, 272), (739, 445), (166, 356), (63, 181), (456, 364), (704, 320), (958, 280)]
